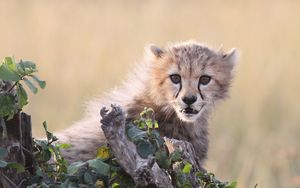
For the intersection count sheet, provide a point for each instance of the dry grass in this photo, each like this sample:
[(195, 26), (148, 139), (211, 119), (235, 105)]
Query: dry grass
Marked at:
[(86, 47)]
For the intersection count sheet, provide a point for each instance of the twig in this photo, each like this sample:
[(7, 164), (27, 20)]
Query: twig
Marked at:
[(23, 180), (9, 181), (13, 86)]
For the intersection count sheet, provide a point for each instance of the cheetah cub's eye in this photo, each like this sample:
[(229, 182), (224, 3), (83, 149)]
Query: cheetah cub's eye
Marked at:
[(204, 80), (175, 78)]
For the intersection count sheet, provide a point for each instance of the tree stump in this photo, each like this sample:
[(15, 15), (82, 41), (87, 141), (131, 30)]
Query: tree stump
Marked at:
[(16, 137)]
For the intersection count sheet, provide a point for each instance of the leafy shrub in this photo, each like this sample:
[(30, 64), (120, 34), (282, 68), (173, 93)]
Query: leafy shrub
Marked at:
[(104, 170), (13, 96), (12, 74)]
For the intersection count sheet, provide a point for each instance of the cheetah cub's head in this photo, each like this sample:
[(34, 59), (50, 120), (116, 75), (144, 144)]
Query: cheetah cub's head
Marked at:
[(189, 78)]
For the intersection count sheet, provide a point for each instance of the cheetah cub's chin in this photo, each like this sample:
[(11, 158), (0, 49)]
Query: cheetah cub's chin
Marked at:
[(189, 114)]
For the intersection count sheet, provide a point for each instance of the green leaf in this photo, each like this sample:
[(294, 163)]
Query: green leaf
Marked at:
[(115, 185), (26, 67), (48, 134), (3, 164), (141, 125), (44, 185), (19, 167), (41, 83), (30, 85), (188, 185), (103, 152), (45, 126), (27, 64), (22, 96), (7, 105), (143, 112), (155, 124), (42, 143), (9, 61), (63, 146), (134, 133), (157, 138), (144, 148), (149, 123), (88, 178), (46, 155), (99, 166), (162, 159), (147, 112), (232, 185), (39, 172), (8, 70), (3, 152), (176, 155), (74, 167), (187, 168), (54, 138), (55, 151)]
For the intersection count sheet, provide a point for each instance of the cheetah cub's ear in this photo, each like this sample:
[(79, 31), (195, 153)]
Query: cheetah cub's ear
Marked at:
[(230, 58), (154, 51)]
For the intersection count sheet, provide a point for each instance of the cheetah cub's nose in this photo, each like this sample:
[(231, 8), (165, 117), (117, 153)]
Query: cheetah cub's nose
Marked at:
[(189, 99)]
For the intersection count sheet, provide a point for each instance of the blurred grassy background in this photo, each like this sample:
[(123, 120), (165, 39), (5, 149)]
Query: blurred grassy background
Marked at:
[(84, 48)]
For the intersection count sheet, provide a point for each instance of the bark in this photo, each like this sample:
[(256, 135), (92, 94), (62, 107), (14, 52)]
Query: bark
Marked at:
[(16, 137)]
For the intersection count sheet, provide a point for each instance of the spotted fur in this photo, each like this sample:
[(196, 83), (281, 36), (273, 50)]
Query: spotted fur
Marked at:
[(150, 86)]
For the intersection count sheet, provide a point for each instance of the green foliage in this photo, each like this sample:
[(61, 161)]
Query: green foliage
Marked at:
[(208, 180), (99, 166), (187, 168), (9, 70), (163, 159), (104, 170), (22, 96), (144, 148), (103, 153), (15, 98), (147, 120), (54, 171), (19, 167), (142, 132)]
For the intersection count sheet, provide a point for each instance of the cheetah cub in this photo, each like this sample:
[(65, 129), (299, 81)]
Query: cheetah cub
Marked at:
[(181, 82)]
